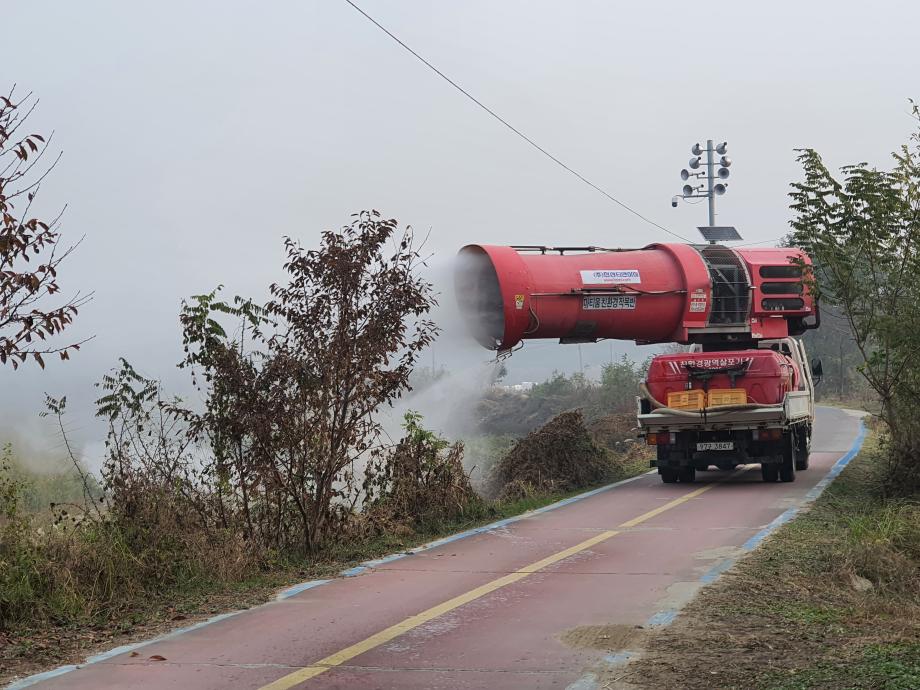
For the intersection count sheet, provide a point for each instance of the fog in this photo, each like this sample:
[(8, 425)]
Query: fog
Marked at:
[(196, 135)]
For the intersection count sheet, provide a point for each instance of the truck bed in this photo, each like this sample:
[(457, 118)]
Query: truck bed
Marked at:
[(795, 408)]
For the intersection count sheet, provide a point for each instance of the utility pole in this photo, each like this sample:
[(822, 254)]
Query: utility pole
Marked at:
[(712, 197), (711, 188)]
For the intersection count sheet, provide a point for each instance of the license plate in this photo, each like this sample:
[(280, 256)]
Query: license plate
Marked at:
[(609, 302), (716, 445)]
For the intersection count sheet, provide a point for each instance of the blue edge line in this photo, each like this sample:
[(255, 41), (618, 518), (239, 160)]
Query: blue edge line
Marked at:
[(303, 586), (662, 618)]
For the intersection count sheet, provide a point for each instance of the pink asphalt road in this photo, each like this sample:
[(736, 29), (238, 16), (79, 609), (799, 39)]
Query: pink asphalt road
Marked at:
[(503, 608)]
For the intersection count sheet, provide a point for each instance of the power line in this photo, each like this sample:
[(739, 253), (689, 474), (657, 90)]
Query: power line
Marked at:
[(752, 244), (510, 126)]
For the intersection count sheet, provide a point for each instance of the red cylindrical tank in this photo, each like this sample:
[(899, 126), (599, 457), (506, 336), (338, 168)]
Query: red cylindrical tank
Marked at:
[(764, 375), (508, 295), (660, 293)]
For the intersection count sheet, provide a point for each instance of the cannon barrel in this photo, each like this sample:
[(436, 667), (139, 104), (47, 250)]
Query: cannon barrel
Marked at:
[(659, 293)]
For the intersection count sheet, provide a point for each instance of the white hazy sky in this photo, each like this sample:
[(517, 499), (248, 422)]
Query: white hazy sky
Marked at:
[(196, 134)]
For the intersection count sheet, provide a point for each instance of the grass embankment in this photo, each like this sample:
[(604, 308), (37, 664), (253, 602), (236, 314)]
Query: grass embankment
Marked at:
[(69, 620), (832, 600)]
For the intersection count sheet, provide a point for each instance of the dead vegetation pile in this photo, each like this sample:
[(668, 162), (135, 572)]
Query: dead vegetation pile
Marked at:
[(418, 484), (560, 456), (506, 412), (616, 432)]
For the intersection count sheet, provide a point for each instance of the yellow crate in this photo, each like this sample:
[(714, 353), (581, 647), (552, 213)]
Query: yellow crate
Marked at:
[(727, 396), (687, 400)]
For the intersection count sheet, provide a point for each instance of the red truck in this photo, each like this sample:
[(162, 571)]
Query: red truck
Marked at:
[(744, 393), (728, 408)]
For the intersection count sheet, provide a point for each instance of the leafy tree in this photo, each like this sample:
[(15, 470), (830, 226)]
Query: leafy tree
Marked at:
[(560, 386), (619, 386), (289, 413), (27, 320), (352, 325), (835, 346), (426, 377), (864, 234)]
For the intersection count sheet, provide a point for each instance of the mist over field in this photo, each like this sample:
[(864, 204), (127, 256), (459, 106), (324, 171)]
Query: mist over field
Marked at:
[(196, 135)]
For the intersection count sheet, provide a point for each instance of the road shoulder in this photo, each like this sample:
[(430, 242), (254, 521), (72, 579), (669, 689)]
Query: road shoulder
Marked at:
[(830, 600)]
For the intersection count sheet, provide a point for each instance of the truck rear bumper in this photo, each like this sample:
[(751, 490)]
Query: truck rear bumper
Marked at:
[(796, 409), (662, 420)]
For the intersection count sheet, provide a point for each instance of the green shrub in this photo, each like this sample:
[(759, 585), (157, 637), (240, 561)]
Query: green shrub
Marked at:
[(418, 483)]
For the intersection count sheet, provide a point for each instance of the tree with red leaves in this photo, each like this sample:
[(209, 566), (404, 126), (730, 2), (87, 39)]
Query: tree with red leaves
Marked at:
[(31, 310)]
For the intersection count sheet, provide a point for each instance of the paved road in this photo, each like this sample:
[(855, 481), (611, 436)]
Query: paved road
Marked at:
[(542, 602)]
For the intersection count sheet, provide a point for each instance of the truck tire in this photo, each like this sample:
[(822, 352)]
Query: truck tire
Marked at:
[(687, 474), (802, 451), (786, 473), (668, 474), (787, 468), (769, 473)]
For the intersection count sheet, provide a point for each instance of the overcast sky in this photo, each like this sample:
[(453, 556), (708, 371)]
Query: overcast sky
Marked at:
[(196, 134)]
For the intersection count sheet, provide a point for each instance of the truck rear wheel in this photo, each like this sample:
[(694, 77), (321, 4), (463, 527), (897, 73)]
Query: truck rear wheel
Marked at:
[(787, 473), (668, 474), (802, 451), (687, 474), (787, 469), (770, 473)]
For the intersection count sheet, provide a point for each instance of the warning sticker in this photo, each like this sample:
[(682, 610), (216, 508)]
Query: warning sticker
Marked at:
[(698, 305), (609, 302), (519, 301), (610, 277)]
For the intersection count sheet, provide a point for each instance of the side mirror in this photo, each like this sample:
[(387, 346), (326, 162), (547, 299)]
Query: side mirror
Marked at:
[(817, 371)]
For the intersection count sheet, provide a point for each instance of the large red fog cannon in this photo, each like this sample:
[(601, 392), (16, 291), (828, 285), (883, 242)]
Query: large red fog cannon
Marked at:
[(660, 293)]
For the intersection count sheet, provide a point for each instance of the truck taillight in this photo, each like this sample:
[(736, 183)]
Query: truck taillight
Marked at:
[(662, 438), (768, 434)]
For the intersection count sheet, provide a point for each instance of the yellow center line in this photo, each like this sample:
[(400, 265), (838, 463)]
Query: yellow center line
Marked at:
[(412, 622), (667, 506)]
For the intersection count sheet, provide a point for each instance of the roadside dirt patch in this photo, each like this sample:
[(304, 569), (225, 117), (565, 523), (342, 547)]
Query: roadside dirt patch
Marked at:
[(606, 638), (788, 616)]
